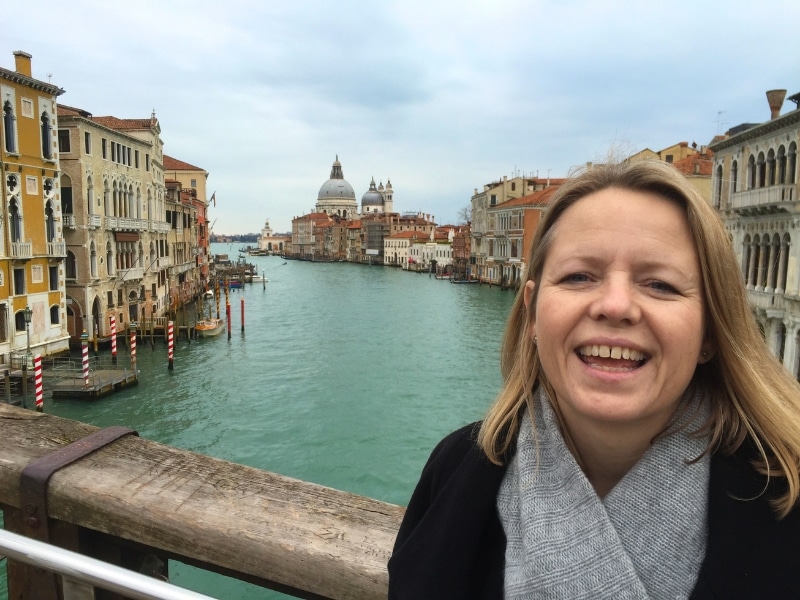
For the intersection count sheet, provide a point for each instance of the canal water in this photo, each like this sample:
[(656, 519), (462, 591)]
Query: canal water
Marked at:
[(345, 375)]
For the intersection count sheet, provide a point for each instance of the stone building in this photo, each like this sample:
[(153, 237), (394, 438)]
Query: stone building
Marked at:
[(755, 187), (114, 204), (33, 302), (336, 196)]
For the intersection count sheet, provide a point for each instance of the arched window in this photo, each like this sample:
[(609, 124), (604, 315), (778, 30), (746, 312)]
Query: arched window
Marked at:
[(55, 318), (8, 127), (781, 165), (110, 259), (93, 260), (19, 321), (792, 163), (90, 196), (734, 176), (47, 142), (49, 222), (14, 221), (751, 172), (107, 199), (762, 171), (66, 195), (718, 194), (71, 266), (771, 167)]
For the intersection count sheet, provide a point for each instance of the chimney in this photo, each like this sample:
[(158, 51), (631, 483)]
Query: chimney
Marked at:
[(775, 99), (22, 63)]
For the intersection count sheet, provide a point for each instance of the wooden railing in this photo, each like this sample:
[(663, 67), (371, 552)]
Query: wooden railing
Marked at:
[(138, 495)]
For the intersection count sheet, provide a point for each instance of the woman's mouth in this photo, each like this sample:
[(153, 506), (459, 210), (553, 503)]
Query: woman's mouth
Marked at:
[(612, 358)]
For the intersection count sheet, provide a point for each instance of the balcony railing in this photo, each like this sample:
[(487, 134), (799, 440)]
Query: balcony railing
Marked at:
[(164, 262), (133, 273), (57, 248), (95, 221), (21, 250), (69, 221), (763, 197), (125, 224), (159, 226)]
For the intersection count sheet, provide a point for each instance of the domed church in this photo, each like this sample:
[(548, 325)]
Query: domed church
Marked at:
[(377, 199), (336, 196)]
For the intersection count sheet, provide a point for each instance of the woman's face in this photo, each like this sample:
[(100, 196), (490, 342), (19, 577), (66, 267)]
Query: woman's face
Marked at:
[(619, 315)]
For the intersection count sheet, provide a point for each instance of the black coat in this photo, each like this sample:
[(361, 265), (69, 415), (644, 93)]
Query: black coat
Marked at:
[(451, 542)]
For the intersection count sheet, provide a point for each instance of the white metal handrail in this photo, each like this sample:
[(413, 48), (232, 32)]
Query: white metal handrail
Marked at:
[(74, 568)]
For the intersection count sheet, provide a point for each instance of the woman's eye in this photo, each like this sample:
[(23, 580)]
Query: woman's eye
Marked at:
[(662, 286), (576, 278)]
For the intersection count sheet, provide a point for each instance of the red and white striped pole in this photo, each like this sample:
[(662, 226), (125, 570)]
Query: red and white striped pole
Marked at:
[(37, 382), (133, 350), (85, 351), (114, 340), (170, 345)]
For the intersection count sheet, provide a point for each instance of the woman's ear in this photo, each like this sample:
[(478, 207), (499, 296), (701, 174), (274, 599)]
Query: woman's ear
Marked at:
[(530, 286), (707, 352)]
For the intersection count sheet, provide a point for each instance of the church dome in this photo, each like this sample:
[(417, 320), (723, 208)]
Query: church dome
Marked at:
[(372, 197), (336, 186)]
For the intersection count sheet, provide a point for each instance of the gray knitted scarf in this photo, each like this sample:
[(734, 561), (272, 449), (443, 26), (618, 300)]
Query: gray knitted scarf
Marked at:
[(645, 539)]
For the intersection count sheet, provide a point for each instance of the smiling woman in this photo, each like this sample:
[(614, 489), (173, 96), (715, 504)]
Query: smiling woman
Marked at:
[(645, 443)]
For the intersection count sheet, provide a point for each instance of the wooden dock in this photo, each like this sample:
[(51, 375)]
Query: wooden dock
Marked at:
[(100, 383)]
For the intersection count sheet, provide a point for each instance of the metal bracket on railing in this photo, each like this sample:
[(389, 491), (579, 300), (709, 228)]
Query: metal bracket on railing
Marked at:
[(36, 475), (33, 497)]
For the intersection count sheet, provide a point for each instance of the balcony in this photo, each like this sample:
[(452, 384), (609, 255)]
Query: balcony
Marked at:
[(95, 221), (182, 268), (132, 273), (159, 226), (766, 200), (21, 250), (57, 249), (69, 221), (164, 262), (125, 224)]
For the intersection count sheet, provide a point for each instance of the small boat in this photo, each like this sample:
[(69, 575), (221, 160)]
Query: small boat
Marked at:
[(260, 278), (209, 327), (463, 281)]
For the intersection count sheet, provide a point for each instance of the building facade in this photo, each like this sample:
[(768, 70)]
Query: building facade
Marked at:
[(755, 187), (33, 302), (116, 228)]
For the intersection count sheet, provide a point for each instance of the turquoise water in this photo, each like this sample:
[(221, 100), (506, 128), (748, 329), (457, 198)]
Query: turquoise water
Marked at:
[(346, 376)]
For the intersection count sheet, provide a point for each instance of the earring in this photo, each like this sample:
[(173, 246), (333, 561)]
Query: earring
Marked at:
[(535, 340)]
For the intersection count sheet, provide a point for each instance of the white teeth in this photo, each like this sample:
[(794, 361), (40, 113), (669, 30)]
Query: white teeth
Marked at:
[(615, 352)]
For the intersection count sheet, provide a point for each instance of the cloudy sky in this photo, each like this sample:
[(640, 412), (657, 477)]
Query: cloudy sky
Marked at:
[(440, 96)]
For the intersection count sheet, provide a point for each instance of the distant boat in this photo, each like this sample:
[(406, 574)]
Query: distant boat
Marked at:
[(209, 327), (463, 281), (260, 278)]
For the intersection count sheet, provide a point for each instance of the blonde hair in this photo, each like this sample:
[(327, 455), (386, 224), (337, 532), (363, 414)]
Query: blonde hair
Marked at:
[(752, 396)]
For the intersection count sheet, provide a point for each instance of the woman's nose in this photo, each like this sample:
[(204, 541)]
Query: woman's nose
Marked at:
[(616, 301)]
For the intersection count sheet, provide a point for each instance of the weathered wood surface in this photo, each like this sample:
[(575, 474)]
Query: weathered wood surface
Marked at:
[(265, 526)]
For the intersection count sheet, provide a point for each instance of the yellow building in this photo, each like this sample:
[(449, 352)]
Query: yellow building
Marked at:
[(32, 247)]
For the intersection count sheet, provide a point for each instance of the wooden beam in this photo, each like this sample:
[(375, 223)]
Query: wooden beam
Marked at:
[(258, 525)]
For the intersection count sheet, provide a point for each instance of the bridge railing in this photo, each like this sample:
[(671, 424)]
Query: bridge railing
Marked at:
[(137, 501)]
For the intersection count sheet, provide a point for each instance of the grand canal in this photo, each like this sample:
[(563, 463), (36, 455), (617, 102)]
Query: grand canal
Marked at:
[(345, 375)]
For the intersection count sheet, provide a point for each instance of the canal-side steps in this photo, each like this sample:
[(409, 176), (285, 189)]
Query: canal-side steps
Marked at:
[(136, 503)]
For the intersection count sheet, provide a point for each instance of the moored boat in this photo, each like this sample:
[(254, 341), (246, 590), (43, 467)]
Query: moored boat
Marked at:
[(209, 327)]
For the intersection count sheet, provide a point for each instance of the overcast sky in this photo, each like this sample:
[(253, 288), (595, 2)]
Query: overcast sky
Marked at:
[(440, 96)]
